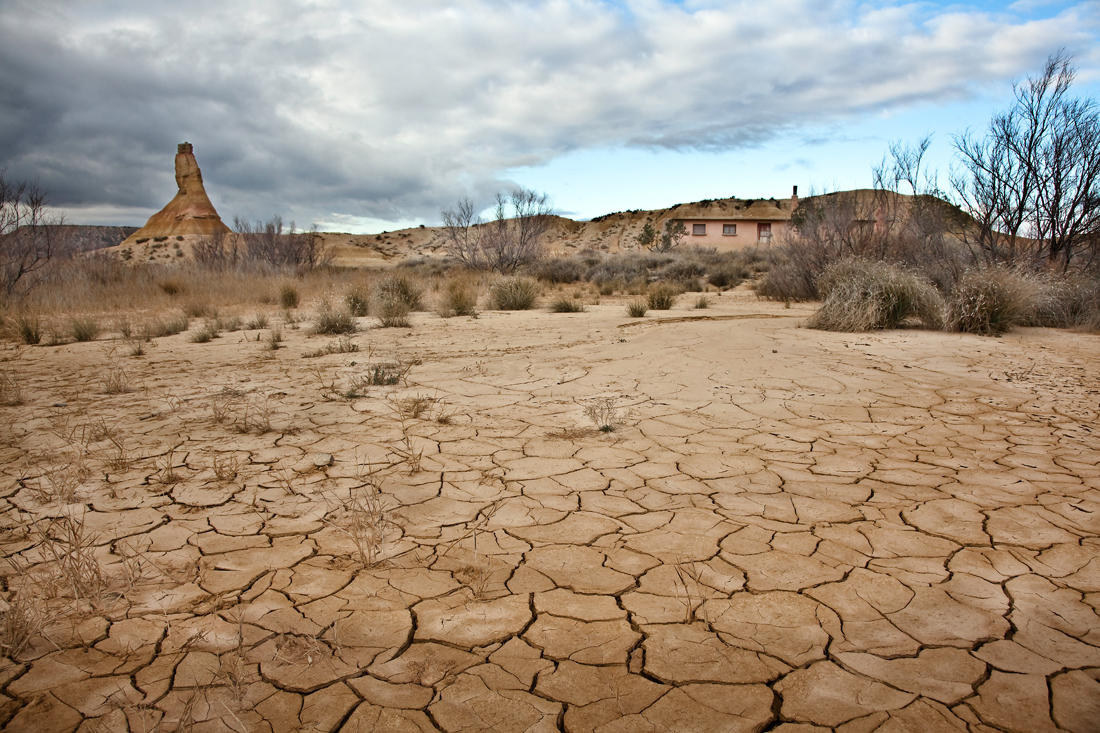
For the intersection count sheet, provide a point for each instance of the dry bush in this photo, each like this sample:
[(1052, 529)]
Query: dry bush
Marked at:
[(702, 302), (637, 309), (412, 408), (401, 289), (257, 322), (333, 320), (565, 304), (288, 296), (661, 297), (392, 310), (84, 328), (514, 294), (28, 328), (206, 333), (21, 620), (357, 300), (1067, 302), (459, 298), (861, 295), (992, 300)]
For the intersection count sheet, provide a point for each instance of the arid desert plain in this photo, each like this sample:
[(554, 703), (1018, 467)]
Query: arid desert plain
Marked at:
[(777, 528)]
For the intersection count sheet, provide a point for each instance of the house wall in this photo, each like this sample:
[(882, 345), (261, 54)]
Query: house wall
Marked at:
[(746, 233)]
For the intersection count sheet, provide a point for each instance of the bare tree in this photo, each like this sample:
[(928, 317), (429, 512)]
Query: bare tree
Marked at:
[(270, 243), (1032, 183), (27, 233), (507, 242)]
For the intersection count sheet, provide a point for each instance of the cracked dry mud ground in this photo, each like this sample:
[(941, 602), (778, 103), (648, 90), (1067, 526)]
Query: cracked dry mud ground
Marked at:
[(789, 530)]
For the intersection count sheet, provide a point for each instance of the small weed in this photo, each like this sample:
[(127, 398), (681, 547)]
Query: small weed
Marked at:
[(342, 345), (226, 468), (637, 309), (702, 302), (412, 408), (362, 515), (198, 309), (604, 412), (116, 380), (392, 310), (229, 323), (66, 542), (274, 339), (20, 621), (11, 393), (170, 327)]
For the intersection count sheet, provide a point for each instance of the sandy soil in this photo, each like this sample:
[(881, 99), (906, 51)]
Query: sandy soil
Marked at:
[(893, 531)]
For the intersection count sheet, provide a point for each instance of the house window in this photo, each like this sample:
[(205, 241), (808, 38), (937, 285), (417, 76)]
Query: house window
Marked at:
[(729, 230), (764, 232), (698, 230)]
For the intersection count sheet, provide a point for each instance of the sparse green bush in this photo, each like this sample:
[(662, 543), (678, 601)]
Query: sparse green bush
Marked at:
[(288, 297), (84, 328), (459, 298), (636, 309), (514, 294), (991, 300), (333, 320), (862, 295), (661, 297), (358, 301), (566, 304)]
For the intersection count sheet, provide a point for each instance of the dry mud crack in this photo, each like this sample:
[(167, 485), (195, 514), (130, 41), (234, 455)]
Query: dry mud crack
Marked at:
[(784, 530)]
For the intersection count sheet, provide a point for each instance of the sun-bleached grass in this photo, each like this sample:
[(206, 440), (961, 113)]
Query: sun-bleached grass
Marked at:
[(514, 294), (991, 300)]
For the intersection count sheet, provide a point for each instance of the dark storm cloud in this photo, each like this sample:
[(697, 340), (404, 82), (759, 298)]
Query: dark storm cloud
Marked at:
[(333, 110)]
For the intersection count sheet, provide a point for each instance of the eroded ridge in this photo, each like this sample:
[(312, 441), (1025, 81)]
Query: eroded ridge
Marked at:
[(778, 529)]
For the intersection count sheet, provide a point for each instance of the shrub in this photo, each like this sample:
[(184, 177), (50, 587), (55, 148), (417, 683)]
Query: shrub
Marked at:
[(29, 329), (727, 276), (991, 300), (84, 329), (198, 309), (391, 310), (258, 321), (170, 287), (514, 294), (400, 288), (332, 320), (561, 270), (566, 304), (206, 333), (702, 302), (862, 295), (636, 309), (357, 301), (459, 299), (170, 327), (661, 297), (288, 297), (1067, 302)]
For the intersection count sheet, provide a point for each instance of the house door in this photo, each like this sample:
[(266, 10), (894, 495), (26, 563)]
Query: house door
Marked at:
[(764, 232)]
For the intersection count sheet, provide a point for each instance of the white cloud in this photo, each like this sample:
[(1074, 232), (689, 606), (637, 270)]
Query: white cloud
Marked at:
[(391, 111)]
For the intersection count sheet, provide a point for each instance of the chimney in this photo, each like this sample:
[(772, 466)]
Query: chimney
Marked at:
[(794, 198)]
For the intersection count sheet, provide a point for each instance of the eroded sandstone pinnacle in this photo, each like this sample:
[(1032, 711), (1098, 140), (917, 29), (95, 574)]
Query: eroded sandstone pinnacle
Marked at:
[(190, 211)]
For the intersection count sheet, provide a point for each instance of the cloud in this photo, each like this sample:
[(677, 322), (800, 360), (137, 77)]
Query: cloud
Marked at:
[(344, 109)]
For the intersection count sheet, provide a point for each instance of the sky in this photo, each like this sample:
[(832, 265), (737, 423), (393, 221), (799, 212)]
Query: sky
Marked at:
[(368, 115)]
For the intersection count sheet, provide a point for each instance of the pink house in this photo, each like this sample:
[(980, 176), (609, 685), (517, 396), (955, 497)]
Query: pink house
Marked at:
[(739, 224)]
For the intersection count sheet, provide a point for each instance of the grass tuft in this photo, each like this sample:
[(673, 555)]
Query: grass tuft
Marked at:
[(514, 294), (864, 295)]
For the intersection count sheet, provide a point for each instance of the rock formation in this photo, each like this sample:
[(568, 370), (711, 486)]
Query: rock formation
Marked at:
[(190, 212)]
